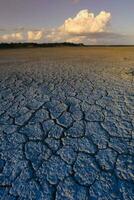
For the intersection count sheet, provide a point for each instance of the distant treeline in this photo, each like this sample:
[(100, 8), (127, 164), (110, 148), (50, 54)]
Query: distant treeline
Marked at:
[(37, 45), (43, 45)]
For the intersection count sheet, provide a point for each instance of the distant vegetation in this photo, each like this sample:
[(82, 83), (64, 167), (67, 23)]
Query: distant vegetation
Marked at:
[(43, 45), (36, 45)]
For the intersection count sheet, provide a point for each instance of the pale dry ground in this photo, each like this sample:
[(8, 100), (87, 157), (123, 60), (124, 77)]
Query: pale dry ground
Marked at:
[(67, 124)]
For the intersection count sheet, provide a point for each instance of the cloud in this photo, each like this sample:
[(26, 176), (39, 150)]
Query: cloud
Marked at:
[(85, 27), (77, 39), (12, 37), (86, 22), (83, 24), (34, 35), (17, 36)]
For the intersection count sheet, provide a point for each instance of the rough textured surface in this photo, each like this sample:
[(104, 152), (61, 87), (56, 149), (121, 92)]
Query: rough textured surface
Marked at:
[(67, 124)]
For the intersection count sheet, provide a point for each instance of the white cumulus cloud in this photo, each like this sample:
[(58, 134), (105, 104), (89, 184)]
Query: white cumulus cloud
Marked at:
[(86, 22), (12, 37), (84, 27), (34, 35)]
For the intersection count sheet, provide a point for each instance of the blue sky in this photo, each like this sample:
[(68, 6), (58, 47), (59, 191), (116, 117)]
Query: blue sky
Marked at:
[(44, 14)]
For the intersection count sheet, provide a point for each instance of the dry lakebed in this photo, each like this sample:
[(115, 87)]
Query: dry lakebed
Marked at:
[(67, 123)]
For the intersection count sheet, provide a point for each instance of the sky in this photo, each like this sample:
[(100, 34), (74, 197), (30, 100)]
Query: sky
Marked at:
[(79, 21)]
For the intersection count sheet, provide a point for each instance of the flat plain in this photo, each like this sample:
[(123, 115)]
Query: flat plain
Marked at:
[(67, 124)]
